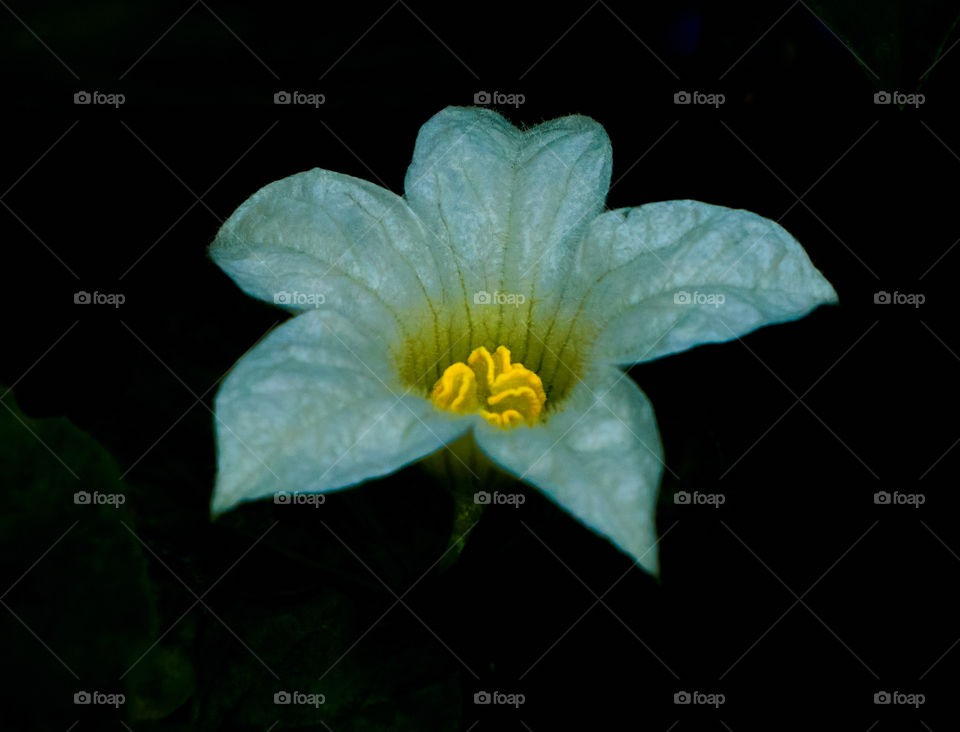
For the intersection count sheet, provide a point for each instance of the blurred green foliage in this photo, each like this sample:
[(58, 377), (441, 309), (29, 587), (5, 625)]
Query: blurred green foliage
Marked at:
[(895, 42)]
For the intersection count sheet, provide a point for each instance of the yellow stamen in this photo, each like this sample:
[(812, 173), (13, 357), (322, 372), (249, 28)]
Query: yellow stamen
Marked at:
[(503, 393)]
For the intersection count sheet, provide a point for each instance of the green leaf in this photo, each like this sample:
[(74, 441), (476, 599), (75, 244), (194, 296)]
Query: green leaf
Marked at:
[(80, 606), (895, 42)]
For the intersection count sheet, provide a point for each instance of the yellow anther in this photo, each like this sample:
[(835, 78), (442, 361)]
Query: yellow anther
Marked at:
[(503, 393), (456, 390)]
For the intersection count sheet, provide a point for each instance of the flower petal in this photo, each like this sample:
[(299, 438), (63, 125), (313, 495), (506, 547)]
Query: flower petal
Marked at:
[(324, 239), (315, 407), (508, 207), (600, 459), (667, 276)]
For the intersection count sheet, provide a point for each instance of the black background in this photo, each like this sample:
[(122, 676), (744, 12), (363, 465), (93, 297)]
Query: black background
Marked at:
[(798, 599)]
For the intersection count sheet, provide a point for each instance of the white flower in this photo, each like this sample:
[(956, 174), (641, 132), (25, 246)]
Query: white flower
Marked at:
[(499, 249)]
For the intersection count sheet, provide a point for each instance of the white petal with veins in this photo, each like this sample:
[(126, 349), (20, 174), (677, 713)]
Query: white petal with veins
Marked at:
[(315, 407), (637, 268), (507, 207), (600, 459), (354, 243)]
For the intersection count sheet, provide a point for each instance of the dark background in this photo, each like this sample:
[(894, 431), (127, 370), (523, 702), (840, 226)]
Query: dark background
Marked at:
[(798, 599)]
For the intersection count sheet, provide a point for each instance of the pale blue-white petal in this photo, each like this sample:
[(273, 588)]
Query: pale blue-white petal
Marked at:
[(667, 276), (314, 407), (505, 209), (599, 458), (323, 240)]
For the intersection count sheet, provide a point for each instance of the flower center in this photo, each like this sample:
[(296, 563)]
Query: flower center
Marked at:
[(503, 393)]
